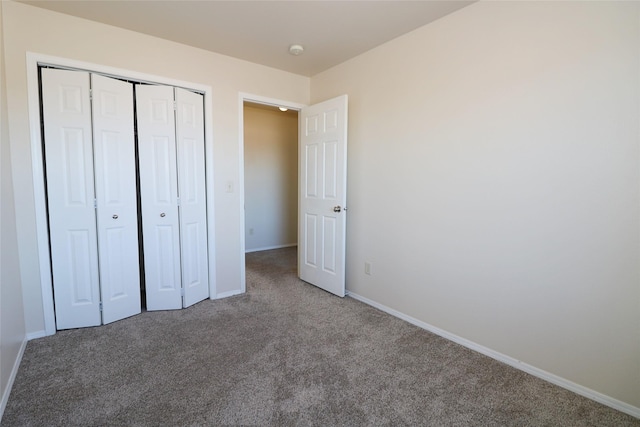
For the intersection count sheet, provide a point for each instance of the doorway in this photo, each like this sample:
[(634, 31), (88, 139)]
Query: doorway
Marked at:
[(269, 162), (270, 177), (322, 172)]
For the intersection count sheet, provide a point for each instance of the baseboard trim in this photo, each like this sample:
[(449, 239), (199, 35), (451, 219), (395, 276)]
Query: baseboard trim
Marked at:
[(36, 335), (228, 294), (268, 248), (537, 372), (14, 371)]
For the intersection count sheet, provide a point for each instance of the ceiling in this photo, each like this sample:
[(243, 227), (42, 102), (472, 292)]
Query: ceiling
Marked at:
[(331, 32)]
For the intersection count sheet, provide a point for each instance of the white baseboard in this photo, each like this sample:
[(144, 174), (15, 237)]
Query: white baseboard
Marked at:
[(14, 371), (547, 376), (268, 248), (228, 294), (35, 335)]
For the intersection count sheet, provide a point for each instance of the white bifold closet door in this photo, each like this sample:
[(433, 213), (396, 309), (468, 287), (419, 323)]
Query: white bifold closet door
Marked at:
[(173, 196), (91, 194)]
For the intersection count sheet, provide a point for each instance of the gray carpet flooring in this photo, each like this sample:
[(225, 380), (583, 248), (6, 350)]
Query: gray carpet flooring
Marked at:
[(284, 353)]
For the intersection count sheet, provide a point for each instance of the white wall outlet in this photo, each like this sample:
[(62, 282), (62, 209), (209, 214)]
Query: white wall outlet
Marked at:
[(229, 186), (367, 268)]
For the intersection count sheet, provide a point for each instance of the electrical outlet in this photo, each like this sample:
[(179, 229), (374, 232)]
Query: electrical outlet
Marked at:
[(367, 268), (229, 186)]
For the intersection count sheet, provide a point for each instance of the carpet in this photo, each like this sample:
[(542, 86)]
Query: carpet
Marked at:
[(284, 353)]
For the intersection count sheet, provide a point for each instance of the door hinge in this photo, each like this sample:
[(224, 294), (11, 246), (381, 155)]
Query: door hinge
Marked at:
[(181, 291), (95, 203), (175, 106), (90, 94), (100, 305), (178, 201)]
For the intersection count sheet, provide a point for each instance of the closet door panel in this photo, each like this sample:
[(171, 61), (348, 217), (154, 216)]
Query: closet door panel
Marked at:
[(117, 214), (70, 195), (192, 191), (159, 195)]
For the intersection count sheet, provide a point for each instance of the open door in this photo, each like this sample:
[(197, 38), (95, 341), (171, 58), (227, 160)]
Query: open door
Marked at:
[(323, 195)]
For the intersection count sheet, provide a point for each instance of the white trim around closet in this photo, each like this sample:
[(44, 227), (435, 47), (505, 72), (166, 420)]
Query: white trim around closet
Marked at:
[(33, 61)]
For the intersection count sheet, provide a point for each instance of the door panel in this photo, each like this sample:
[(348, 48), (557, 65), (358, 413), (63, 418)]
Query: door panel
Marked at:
[(80, 263), (311, 171), (159, 196), (114, 239), (193, 203), (166, 254), (330, 160), (117, 214), (70, 195), (323, 169), (329, 254), (310, 238)]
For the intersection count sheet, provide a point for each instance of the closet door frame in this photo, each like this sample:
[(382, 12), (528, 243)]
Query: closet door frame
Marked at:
[(34, 61)]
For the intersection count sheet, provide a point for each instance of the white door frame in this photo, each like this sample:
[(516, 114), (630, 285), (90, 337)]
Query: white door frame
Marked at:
[(257, 99), (42, 233)]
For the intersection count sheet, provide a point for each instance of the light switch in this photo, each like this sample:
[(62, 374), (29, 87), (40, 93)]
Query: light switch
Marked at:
[(367, 268)]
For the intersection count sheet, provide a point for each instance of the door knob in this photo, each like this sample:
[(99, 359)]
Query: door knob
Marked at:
[(115, 217), (163, 215), (337, 209)]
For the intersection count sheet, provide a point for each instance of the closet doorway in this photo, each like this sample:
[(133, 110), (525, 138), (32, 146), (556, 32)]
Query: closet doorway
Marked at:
[(125, 180), (195, 249)]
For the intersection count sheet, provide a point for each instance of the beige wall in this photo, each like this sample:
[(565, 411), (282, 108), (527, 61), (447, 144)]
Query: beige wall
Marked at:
[(494, 182), (29, 29), (12, 330), (271, 178)]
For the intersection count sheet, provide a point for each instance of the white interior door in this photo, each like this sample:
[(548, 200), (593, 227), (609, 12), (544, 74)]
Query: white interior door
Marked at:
[(192, 192), (116, 196), (323, 192), (71, 197), (159, 196)]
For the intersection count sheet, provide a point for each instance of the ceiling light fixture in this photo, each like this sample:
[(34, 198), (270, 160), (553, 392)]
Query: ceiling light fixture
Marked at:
[(296, 49), (283, 109)]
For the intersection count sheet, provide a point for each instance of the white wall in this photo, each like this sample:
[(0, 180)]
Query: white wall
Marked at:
[(494, 182), (12, 330), (29, 29), (271, 178)]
